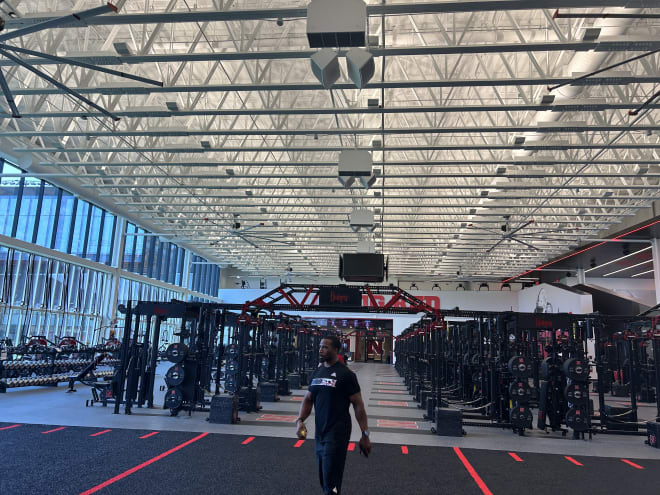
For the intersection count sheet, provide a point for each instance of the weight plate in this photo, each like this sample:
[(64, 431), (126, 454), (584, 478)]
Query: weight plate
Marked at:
[(521, 417), (577, 393), (232, 350), (520, 367), (576, 419), (173, 398), (231, 367), (520, 391), (176, 352), (576, 369), (174, 376)]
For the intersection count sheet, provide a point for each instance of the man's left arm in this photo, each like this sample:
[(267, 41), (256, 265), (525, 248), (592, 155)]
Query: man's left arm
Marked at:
[(361, 417)]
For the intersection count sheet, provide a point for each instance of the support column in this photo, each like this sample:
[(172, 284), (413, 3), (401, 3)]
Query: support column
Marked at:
[(655, 249), (187, 265), (117, 262), (581, 278)]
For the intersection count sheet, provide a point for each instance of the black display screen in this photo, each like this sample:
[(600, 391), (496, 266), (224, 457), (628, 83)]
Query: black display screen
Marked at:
[(363, 267)]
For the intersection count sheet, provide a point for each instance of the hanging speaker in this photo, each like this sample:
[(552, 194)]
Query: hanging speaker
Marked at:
[(325, 66), (361, 66)]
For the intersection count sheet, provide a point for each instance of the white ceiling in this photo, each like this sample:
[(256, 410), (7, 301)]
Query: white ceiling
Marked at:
[(460, 90)]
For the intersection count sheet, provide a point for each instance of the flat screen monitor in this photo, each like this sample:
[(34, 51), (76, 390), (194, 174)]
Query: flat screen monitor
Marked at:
[(362, 267)]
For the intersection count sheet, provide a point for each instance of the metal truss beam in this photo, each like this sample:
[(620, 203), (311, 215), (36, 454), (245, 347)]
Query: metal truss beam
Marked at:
[(372, 10)]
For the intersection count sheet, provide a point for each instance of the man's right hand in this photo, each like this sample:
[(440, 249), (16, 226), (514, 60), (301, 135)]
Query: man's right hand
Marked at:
[(302, 431)]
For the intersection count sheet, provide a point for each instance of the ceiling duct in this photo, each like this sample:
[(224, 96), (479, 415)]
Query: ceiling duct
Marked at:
[(583, 62), (336, 23)]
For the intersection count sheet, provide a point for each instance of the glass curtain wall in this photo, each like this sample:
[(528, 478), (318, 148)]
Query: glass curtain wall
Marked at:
[(37, 212), (43, 296), (151, 256), (204, 277)]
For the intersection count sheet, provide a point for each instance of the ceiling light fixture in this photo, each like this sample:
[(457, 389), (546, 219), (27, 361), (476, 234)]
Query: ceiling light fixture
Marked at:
[(640, 274), (618, 259), (628, 268)]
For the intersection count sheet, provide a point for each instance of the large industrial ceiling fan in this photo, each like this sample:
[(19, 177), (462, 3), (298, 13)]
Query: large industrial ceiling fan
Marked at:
[(509, 234), (250, 236), (77, 19)]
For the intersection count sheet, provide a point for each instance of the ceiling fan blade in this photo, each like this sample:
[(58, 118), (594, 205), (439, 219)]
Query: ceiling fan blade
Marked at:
[(246, 229), (58, 84), (485, 229), (525, 243), (269, 234), (548, 232), (9, 97), (70, 61), (287, 243), (520, 228), (495, 245), (76, 19), (557, 239), (249, 242)]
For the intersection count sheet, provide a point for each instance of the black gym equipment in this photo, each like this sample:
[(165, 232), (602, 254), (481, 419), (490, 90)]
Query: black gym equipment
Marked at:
[(497, 368)]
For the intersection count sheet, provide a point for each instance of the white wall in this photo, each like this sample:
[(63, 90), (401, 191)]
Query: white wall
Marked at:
[(232, 277), (553, 300), (641, 289)]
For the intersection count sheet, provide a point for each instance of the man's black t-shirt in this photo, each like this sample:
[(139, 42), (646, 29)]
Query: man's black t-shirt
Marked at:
[(331, 388)]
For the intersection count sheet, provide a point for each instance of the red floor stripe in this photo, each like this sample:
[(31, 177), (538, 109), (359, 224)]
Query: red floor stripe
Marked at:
[(572, 460), (9, 427), (149, 435), (140, 466), (637, 466), (404, 449), (54, 430), (477, 479), (103, 432), (299, 443), (247, 440), (351, 447), (515, 456)]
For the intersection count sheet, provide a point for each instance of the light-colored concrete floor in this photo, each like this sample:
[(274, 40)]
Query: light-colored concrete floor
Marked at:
[(52, 406)]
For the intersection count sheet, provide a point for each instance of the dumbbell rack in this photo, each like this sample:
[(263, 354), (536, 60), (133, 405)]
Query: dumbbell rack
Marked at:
[(50, 372)]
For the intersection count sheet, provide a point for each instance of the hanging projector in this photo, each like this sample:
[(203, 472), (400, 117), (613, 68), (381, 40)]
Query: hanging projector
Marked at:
[(356, 164), (362, 219)]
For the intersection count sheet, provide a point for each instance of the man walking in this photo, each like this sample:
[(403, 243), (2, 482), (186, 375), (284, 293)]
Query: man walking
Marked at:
[(333, 388)]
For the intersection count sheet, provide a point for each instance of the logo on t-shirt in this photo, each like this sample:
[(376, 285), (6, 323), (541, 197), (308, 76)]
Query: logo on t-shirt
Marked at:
[(333, 374), (324, 382)]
